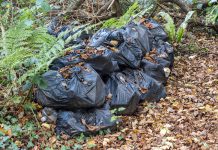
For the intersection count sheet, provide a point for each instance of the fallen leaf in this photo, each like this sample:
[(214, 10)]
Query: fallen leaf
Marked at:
[(143, 90), (114, 42), (9, 132), (164, 131), (18, 143), (46, 125), (91, 127), (53, 139), (91, 143), (105, 142)]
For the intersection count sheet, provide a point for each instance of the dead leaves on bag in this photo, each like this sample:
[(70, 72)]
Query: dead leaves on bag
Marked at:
[(91, 127)]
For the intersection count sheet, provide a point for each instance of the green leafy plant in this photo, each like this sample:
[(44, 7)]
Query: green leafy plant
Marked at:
[(212, 14), (116, 23), (135, 11), (175, 36), (26, 52)]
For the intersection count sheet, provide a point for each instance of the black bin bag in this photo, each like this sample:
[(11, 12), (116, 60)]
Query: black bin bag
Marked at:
[(70, 59), (157, 30), (154, 70), (85, 89), (124, 94), (148, 87), (139, 35), (129, 55), (102, 60), (85, 121), (133, 41), (104, 36), (164, 51)]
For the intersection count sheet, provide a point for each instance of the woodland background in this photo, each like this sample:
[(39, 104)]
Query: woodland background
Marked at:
[(186, 119)]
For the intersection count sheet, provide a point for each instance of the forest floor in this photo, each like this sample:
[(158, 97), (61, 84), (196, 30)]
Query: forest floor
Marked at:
[(186, 119)]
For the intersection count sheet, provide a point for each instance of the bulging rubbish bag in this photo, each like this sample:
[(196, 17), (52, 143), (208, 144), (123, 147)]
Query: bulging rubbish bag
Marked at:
[(112, 70), (85, 121), (154, 70), (149, 88), (104, 37), (84, 89), (164, 51), (129, 55), (123, 94), (156, 29), (155, 90), (132, 42), (101, 59), (139, 35)]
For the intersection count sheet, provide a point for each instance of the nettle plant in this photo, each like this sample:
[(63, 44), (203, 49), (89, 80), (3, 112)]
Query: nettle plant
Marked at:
[(175, 35)]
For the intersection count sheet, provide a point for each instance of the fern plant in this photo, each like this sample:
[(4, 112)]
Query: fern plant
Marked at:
[(135, 11), (26, 53), (117, 23), (175, 36)]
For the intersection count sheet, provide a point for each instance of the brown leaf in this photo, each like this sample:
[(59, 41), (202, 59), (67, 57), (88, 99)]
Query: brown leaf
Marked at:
[(46, 125), (84, 56), (106, 141), (143, 90), (114, 42), (91, 127), (53, 139)]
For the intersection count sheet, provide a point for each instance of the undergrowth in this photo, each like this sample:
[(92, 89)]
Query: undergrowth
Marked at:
[(27, 53), (135, 11), (117, 23), (27, 50), (170, 28)]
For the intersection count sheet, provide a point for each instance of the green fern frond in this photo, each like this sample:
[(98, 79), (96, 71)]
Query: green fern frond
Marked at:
[(169, 25), (123, 20), (183, 26), (29, 53)]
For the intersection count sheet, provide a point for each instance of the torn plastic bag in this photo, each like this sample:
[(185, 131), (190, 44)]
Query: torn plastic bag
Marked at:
[(140, 35), (132, 43), (124, 94), (85, 121), (156, 29), (154, 70), (149, 88), (85, 89)]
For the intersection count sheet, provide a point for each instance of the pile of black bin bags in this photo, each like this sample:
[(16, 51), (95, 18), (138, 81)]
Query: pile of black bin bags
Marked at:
[(116, 68)]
